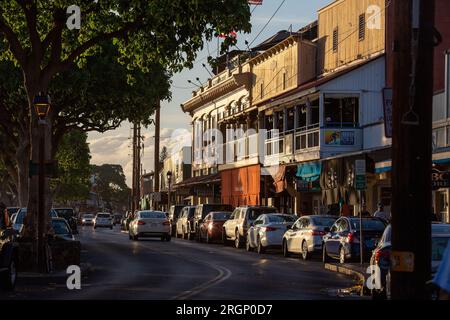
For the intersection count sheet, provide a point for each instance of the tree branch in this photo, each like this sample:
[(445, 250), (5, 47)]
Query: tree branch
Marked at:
[(14, 43), (30, 10)]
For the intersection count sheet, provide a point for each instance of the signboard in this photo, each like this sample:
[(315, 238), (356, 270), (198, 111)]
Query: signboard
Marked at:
[(402, 261), (387, 107), (440, 179), (360, 174), (339, 138)]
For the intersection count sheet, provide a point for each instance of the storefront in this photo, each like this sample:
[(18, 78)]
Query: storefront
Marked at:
[(241, 186), (309, 193)]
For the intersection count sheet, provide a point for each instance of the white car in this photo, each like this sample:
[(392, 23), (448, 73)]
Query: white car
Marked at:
[(305, 236), (268, 230), (87, 219), (150, 224), (103, 220)]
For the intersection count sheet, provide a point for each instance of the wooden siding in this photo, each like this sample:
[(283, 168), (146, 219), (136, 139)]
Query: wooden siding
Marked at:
[(282, 68), (344, 15)]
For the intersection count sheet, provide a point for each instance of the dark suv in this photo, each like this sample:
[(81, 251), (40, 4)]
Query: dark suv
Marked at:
[(69, 215), (203, 210), (8, 257), (174, 214)]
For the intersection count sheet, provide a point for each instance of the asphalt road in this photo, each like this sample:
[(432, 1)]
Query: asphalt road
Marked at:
[(118, 268)]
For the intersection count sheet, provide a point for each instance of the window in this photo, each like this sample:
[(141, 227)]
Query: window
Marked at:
[(284, 81), (290, 118), (439, 138), (362, 27), (261, 90), (301, 111), (335, 40), (341, 112)]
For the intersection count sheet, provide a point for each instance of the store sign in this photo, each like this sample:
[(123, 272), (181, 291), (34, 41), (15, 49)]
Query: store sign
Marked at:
[(440, 179), (339, 138), (360, 174), (387, 107)]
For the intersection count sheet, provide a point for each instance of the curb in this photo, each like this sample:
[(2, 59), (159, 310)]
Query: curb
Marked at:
[(360, 276)]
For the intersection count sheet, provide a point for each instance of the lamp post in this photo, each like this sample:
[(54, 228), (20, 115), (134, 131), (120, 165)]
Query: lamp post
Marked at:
[(169, 179), (42, 105)]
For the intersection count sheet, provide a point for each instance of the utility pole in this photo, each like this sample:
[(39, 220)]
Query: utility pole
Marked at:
[(138, 168), (411, 147), (133, 189), (157, 133)]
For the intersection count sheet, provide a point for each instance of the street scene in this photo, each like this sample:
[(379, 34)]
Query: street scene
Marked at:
[(262, 150)]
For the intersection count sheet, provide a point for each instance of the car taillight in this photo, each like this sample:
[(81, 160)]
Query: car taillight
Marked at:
[(140, 222), (350, 237), (381, 254), (267, 229), (166, 223)]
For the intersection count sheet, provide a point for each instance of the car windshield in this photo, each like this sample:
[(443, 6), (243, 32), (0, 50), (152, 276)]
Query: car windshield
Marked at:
[(191, 212), (103, 215), (280, 218), (323, 221), (221, 215), (177, 211), (64, 213), (368, 224), (217, 207), (152, 215), (254, 213), (60, 227), (88, 216), (438, 246)]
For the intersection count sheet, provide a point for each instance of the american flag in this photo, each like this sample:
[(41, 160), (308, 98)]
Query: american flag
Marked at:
[(255, 2)]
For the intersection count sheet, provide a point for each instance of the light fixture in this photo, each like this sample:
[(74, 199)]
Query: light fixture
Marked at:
[(42, 105)]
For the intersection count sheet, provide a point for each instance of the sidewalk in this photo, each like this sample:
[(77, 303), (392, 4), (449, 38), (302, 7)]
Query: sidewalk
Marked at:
[(59, 276), (351, 269)]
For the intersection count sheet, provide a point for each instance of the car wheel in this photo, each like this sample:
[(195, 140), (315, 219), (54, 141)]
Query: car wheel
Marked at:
[(305, 253), (248, 247), (189, 235), (342, 258), (168, 238), (198, 236), (237, 240), (286, 253), (95, 227), (9, 277), (388, 286), (129, 236), (111, 228), (224, 238), (325, 257), (260, 247), (163, 238), (208, 239), (185, 234)]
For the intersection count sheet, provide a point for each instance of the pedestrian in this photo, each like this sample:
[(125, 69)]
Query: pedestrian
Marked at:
[(364, 213), (442, 277), (380, 213)]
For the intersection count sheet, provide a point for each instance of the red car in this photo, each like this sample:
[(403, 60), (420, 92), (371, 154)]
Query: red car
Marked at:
[(211, 227)]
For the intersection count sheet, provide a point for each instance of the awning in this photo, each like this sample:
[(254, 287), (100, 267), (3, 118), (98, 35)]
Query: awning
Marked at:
[(309, 171)]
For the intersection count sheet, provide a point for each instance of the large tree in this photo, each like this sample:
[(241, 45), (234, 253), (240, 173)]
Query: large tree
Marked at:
[(165, 32), (73, 156)]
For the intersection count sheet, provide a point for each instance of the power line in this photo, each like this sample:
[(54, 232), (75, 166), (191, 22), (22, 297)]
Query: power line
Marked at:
[(267, 23)]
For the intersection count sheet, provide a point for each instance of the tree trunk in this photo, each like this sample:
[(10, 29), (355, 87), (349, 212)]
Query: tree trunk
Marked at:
[(23, 159)]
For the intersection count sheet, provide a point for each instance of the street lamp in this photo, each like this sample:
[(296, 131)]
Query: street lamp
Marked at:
[(42, 106), (169, 179)]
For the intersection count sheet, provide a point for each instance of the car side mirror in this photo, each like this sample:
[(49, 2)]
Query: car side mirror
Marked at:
[(326, 229)]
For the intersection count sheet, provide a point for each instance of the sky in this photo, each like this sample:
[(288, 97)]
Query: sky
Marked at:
[(114, 147)]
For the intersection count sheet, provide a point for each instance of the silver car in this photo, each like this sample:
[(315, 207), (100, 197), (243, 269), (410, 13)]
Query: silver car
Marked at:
[(103, 220), (305, 236), (20, 217), (267, 231)]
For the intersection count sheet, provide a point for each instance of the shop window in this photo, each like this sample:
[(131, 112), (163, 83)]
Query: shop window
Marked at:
[(439, 138), (341, 112)]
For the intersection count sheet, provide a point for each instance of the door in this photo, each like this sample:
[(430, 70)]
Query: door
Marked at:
[(294, 233), (230, 225), (333, 239), (254, 231)]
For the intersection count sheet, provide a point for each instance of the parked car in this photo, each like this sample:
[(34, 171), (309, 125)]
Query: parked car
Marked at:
[(87, 219), (184, 223), (117, 219), (12, 210), (174, 214), (211, 227), (342, 240), (203, 210), (235, 229), (69, 215), (150, 224), (129, 216), (103, 220), (305, 235), (267, 231), (8, 257), (20, 216), (381, 256), (62, 229)]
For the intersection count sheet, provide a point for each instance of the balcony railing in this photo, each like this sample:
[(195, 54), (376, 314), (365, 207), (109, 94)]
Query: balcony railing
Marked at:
[(287, 142)]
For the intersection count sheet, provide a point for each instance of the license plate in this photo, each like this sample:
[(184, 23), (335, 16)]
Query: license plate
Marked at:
[(153, 225)]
